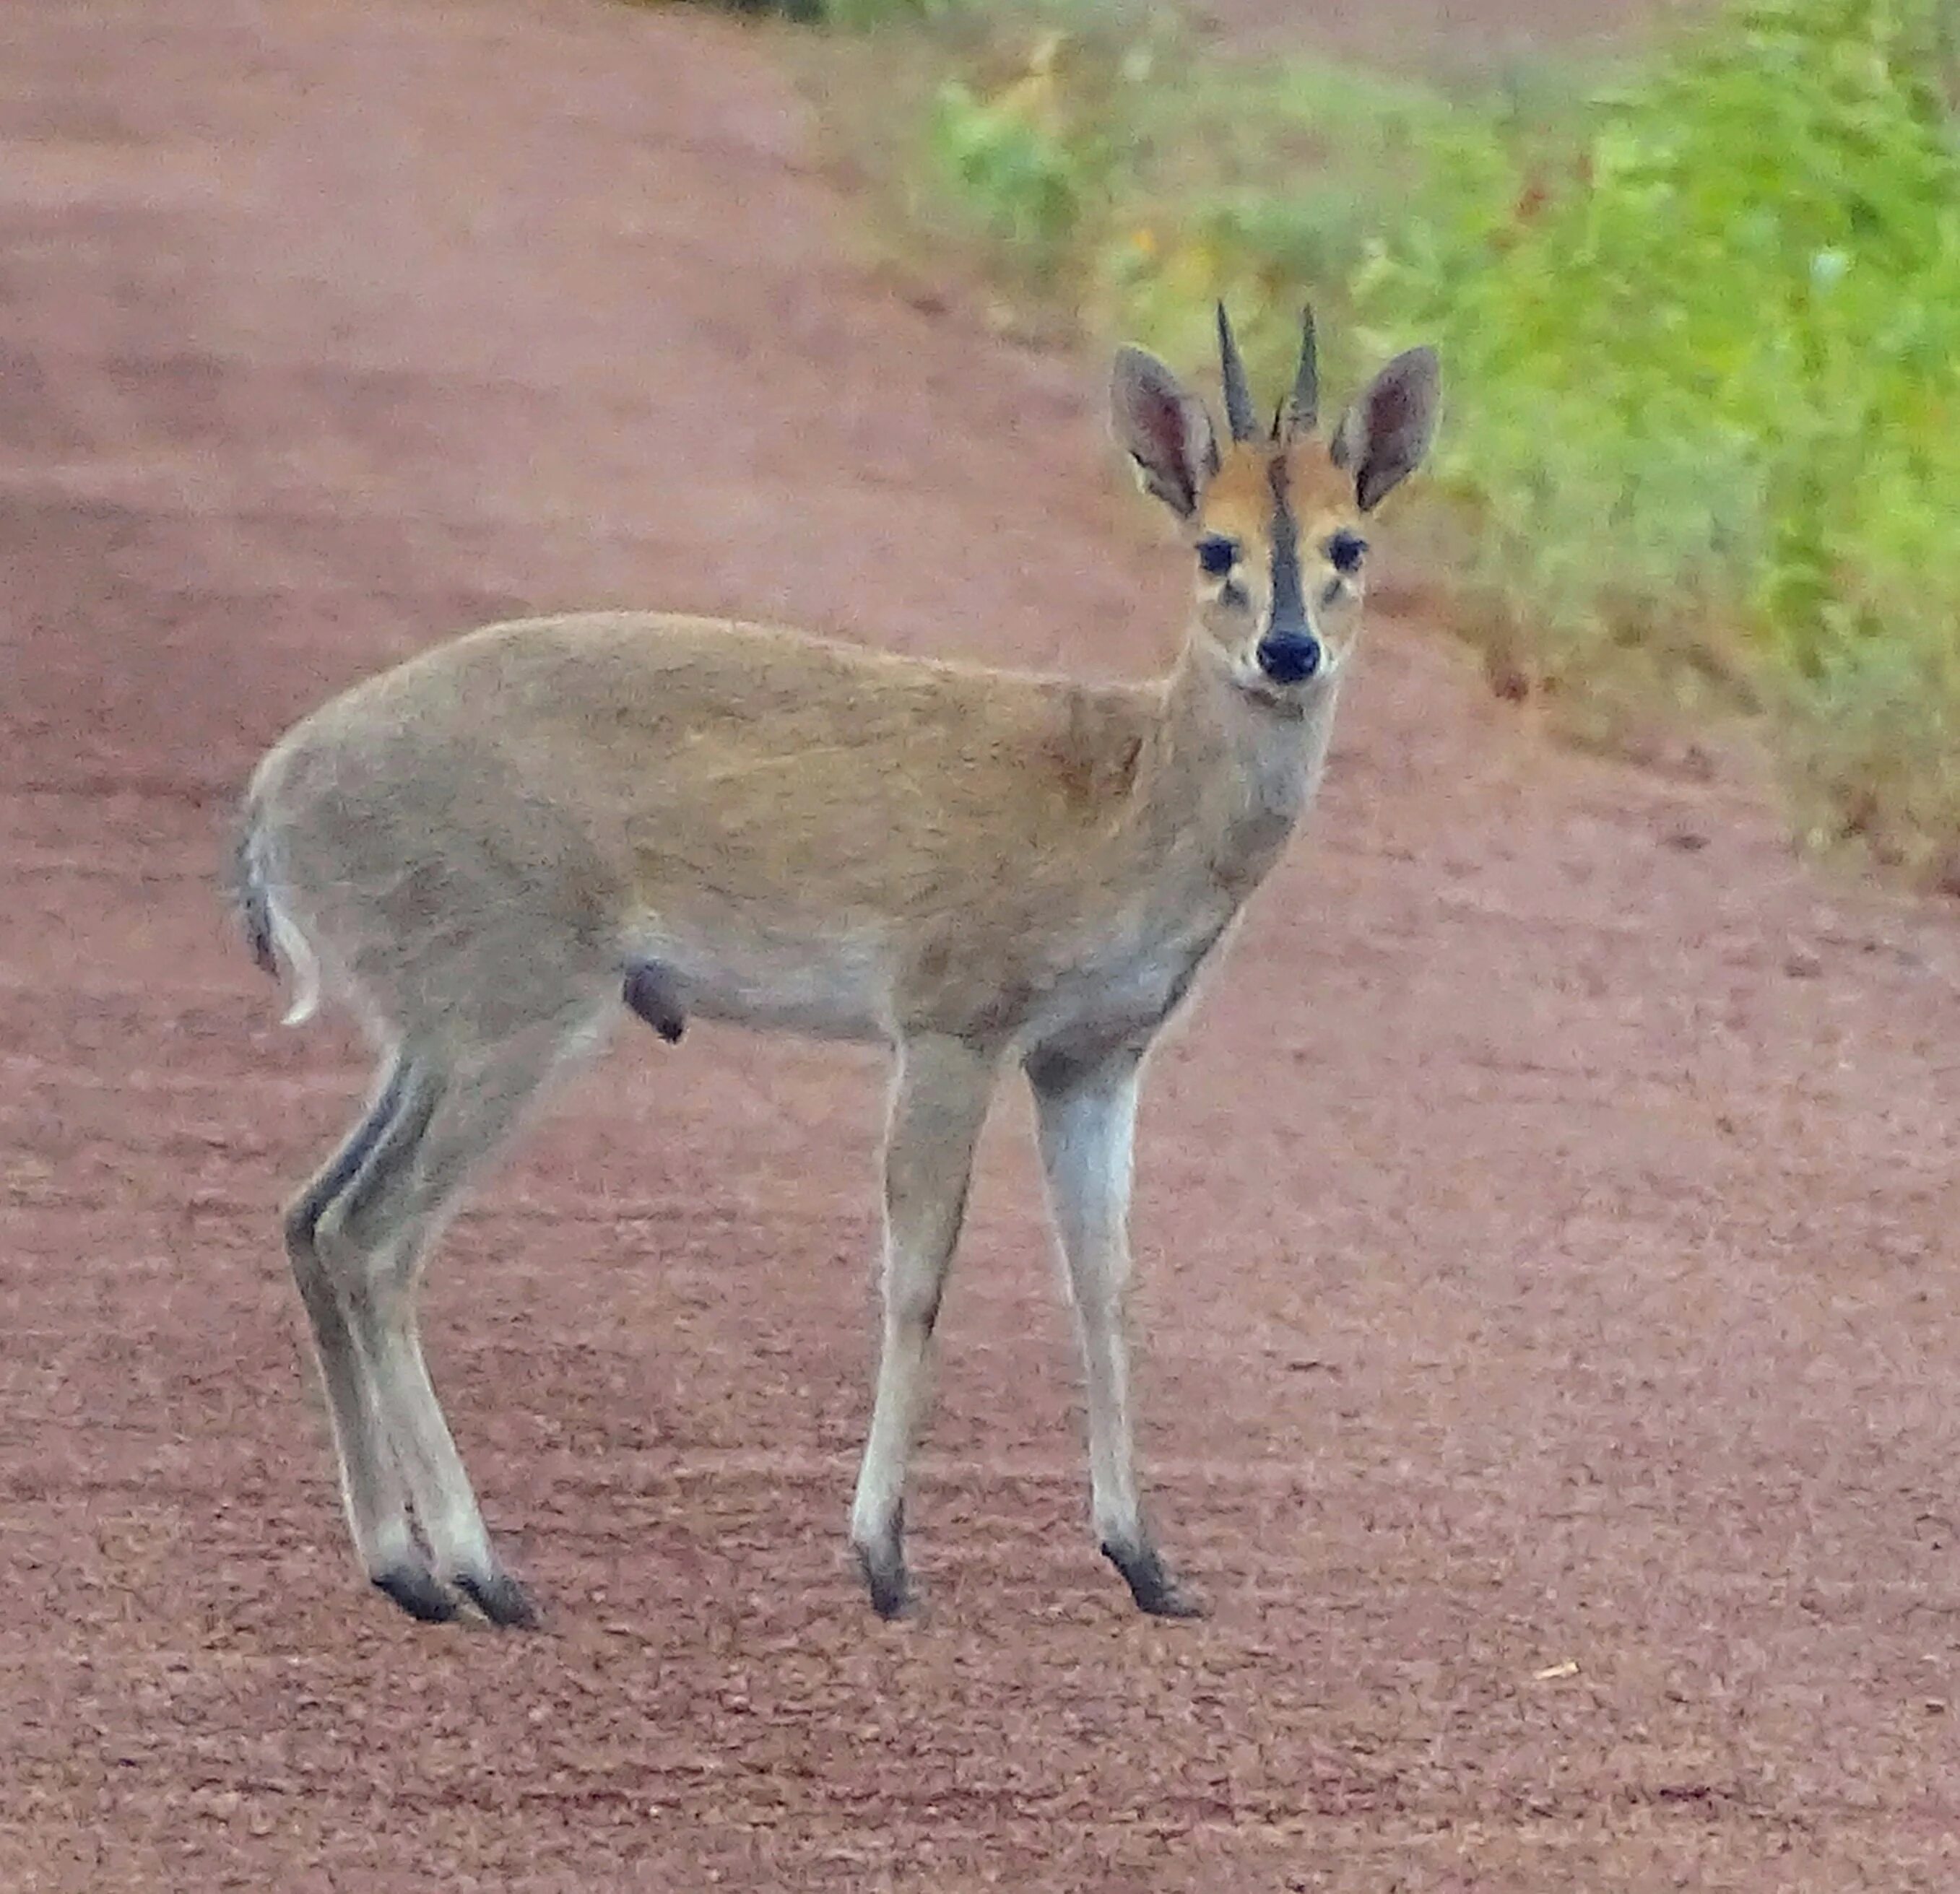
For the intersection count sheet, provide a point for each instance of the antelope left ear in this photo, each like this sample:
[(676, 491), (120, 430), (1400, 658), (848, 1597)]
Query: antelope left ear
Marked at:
[(1386, 435)]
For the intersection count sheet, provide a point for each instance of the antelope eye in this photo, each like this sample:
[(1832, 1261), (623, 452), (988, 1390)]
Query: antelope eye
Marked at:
[(1216, 554), (1346, 550)]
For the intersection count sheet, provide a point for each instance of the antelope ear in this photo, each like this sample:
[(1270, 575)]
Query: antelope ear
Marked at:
[(1163, 429), (1386, 435)]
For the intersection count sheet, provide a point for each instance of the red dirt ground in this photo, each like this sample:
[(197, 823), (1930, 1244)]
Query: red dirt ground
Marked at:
[(1546, 1223)]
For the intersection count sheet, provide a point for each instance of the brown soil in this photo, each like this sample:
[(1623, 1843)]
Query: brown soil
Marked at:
[(1546, 1223)]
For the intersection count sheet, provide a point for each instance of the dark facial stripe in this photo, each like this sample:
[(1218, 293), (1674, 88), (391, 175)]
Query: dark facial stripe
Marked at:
[(1289, 611)]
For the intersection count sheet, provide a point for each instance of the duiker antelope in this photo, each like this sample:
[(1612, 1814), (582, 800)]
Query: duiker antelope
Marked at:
[(493, 852)]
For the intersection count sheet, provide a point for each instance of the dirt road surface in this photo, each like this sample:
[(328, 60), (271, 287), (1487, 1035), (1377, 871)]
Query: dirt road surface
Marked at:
[(1546, 1224)]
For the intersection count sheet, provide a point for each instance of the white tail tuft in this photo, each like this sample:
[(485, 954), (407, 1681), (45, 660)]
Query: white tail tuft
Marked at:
[(302, 963)]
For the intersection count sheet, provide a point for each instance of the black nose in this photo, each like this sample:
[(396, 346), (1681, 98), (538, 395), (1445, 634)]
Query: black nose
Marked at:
[(1289, 657)]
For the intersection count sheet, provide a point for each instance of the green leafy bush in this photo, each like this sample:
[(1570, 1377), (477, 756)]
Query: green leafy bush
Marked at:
[(1707, 365), (1025, 179)]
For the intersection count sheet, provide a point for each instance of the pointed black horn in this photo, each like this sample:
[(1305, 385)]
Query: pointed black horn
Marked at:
[(1302, 412), (1238, 394)]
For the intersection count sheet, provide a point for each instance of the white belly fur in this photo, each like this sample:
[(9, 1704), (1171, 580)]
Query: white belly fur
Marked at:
[(844, 990), (836, 992)]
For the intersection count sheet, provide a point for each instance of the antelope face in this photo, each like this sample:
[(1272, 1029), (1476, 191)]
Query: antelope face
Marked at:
[(1278, 518), (1281, 558)]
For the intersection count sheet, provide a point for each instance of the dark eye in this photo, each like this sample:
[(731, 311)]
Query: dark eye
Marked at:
[(1345, 552), (1217, 555)]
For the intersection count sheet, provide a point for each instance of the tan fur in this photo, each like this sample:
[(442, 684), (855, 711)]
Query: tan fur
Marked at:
[(972, 866), (1238, 500), (722, 797)]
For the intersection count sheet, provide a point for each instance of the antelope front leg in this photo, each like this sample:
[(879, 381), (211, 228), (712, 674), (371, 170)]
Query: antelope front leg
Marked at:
[(938, 1102), (1087, 1117)]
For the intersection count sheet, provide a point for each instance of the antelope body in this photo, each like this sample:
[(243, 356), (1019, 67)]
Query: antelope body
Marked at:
[(497, 850)]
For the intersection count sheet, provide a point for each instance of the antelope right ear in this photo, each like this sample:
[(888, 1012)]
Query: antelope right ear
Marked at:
[(1163, 428)]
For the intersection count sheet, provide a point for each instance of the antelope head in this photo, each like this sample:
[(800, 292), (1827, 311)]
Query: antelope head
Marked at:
[(1276, 517)]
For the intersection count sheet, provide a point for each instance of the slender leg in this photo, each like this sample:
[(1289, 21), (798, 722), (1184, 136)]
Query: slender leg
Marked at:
[(370, 1483), (1087, 1123), (382, 1227), (939, 1103)]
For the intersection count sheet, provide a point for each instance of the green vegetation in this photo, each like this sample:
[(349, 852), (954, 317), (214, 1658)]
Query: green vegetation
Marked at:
[(1700, 330), (1707, 364)]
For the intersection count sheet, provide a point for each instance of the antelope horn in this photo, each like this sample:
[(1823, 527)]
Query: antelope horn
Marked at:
[(1238, 394), (1301, 411)]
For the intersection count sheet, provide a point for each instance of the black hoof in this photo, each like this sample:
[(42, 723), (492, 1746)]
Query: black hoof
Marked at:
[(501, 1599), (885, 1579), (1151, 1584), (415, 1590), (650, 990)]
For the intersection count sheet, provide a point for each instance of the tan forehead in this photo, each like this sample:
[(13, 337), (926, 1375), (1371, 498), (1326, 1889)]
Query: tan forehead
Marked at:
[(1238, 502)]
